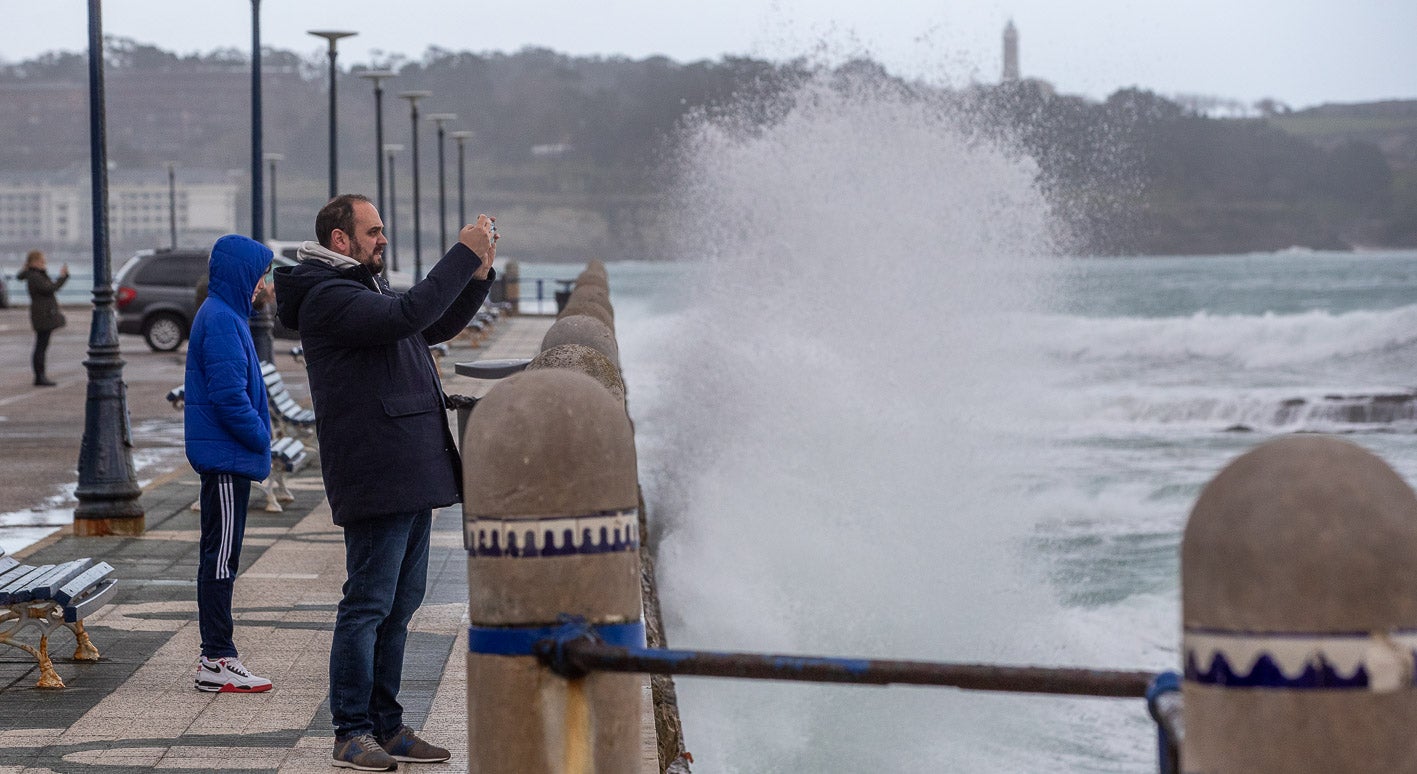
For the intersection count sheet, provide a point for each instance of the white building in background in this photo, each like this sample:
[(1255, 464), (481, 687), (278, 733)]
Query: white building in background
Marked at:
[(55, 210), (41, 212)]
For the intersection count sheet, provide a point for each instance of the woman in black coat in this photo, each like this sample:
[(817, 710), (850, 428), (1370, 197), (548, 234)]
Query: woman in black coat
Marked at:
[(44, 308)]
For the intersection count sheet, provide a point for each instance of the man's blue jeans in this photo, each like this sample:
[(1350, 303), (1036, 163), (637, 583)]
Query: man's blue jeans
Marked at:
[(386, 566)]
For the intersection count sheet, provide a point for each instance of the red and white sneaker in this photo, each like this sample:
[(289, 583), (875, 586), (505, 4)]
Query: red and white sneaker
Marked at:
[(228, 675)]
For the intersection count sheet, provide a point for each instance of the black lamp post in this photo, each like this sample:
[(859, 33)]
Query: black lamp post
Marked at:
[(389, 150), (378, 77), (258, 218), (107, 490), (461, 136), (413, 97), (438, 120), (172, 201), (333, 37), (272, 158), (260, 320)]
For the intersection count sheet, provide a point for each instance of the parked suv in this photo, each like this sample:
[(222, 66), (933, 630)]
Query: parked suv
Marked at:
[(157, 295)]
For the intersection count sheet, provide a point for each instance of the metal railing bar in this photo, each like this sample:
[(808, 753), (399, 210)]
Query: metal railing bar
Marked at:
[(580, 656)]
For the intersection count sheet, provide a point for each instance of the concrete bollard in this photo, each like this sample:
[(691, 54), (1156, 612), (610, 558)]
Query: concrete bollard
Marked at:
[(590, 309), (590, 278), (582, 329), (551, 528), (1299, 608), (579, 357), (511, 286), (594, 294)]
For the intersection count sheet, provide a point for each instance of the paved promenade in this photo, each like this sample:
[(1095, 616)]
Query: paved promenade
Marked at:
[(136, 709)]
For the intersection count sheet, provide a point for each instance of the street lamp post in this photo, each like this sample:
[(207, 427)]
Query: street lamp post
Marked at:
[(172, 201), (272, 158), (107, 490), (378, 77), (438, 120), (413, 97), (260, 320), (333, 37), (461, 136), (257, 217), (389, 150)]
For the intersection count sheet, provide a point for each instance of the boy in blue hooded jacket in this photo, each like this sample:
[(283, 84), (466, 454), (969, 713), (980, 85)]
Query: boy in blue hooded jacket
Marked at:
[(228, 441)]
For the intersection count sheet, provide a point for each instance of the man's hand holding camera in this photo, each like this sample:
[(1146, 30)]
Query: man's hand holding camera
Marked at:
[(481, 238)]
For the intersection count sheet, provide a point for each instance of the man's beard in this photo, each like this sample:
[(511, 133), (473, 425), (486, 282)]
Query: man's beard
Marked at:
[(375, 262)]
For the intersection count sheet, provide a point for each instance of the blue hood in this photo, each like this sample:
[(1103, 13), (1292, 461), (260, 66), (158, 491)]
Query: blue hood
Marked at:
[(236, 265)]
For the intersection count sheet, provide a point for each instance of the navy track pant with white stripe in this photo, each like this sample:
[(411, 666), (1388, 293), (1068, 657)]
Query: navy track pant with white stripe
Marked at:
[(223, 502)]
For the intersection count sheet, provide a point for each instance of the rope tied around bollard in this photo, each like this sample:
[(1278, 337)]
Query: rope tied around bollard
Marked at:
[(554, 645), (552, 650)]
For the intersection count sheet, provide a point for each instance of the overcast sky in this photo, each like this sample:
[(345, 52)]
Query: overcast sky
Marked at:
[(1302, 52)]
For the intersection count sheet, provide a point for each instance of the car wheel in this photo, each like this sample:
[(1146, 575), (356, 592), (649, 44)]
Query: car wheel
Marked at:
[(164, 332)]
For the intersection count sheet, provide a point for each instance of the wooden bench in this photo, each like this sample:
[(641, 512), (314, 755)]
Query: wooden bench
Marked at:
[(476, 332), (288, 456), (480, 327), (290, 418), (48, 597)]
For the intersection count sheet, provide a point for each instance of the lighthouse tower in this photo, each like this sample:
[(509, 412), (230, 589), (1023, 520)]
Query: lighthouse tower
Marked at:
[(1010, 52)]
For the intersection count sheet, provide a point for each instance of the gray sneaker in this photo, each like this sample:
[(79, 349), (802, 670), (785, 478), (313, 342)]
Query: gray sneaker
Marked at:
[(363, 753), (405, 746)]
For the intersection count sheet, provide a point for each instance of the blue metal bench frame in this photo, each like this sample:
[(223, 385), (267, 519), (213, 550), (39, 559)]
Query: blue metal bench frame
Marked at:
[(47, 597)]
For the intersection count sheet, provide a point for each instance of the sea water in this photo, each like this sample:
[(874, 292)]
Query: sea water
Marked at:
[(879, 415)]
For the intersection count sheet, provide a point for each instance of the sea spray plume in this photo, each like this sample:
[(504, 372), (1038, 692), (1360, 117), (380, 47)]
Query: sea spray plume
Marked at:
[(1090, 163), (833, 430)]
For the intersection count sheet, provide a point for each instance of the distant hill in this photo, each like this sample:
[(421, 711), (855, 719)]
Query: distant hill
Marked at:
[(1391, 126), (573, 145)]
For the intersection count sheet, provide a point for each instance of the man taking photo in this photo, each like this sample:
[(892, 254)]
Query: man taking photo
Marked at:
[(386, 453)]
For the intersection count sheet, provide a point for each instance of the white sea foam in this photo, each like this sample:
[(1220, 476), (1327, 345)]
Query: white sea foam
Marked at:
[(832, 472), (1258, 341)]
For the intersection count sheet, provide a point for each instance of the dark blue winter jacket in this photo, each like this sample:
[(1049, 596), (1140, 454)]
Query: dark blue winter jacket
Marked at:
[(228, 421), (385, 446)]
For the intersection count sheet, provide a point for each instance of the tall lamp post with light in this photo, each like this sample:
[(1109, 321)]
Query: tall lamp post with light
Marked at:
[(413, 97), (438, 120), (461, 136), (378, 77), (333, 37), (271, 159), (389, 150), (107, 489)]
